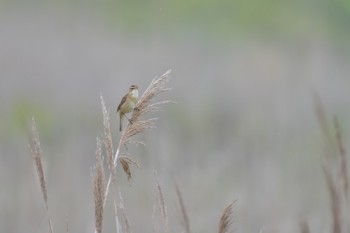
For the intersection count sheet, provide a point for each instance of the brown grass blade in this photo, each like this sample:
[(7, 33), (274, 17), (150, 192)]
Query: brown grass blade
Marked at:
[(322, 119), (304, 226), (127, 226), (67, 223), (226, 219), (335, 200), (183, 213), (160, 203), (36, 153), (343, 160)]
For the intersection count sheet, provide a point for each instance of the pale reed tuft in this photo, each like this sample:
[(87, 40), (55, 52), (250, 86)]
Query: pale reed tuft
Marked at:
[(126, 161), (108, 142), (98, 187)]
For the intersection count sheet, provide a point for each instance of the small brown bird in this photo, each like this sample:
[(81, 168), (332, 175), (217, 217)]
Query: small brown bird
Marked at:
[(128, 103)]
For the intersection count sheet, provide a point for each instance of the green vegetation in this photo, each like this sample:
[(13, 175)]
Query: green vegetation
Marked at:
[(228, 19), (224, 20)]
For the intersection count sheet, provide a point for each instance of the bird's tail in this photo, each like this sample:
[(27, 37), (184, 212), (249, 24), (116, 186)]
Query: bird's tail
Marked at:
[(120, 121)]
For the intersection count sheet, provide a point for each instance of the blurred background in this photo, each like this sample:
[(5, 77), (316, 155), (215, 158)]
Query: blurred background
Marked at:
[(244, 126)]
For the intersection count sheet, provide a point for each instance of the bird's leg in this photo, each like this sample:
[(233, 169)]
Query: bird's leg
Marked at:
[(130, 121), (127, 118), (126, 147)]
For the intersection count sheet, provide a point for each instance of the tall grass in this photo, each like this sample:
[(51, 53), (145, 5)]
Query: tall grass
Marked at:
[(334, 168), (137, 125), (334, 165)]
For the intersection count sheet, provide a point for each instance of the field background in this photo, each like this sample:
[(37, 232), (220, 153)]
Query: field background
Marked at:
[(244, 126)]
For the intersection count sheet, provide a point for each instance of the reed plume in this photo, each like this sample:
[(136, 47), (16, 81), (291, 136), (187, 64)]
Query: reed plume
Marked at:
[(98, 180)]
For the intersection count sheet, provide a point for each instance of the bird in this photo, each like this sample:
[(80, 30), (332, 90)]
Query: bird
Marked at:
[(128, 103)]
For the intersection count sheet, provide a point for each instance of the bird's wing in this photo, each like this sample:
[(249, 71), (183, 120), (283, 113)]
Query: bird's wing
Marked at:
[(122, 102)]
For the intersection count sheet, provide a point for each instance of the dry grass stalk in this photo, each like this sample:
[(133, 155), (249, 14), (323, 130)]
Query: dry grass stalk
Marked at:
[(154, 213), (343, 173), (36, 153), (304, 226), (184, 217), (343, 160), (139, 124), (323, 122), (226, 219), (127, 226), (98, 187), (67, 223), (115, 205), (160, 204), (338, 209), (335, 200)]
